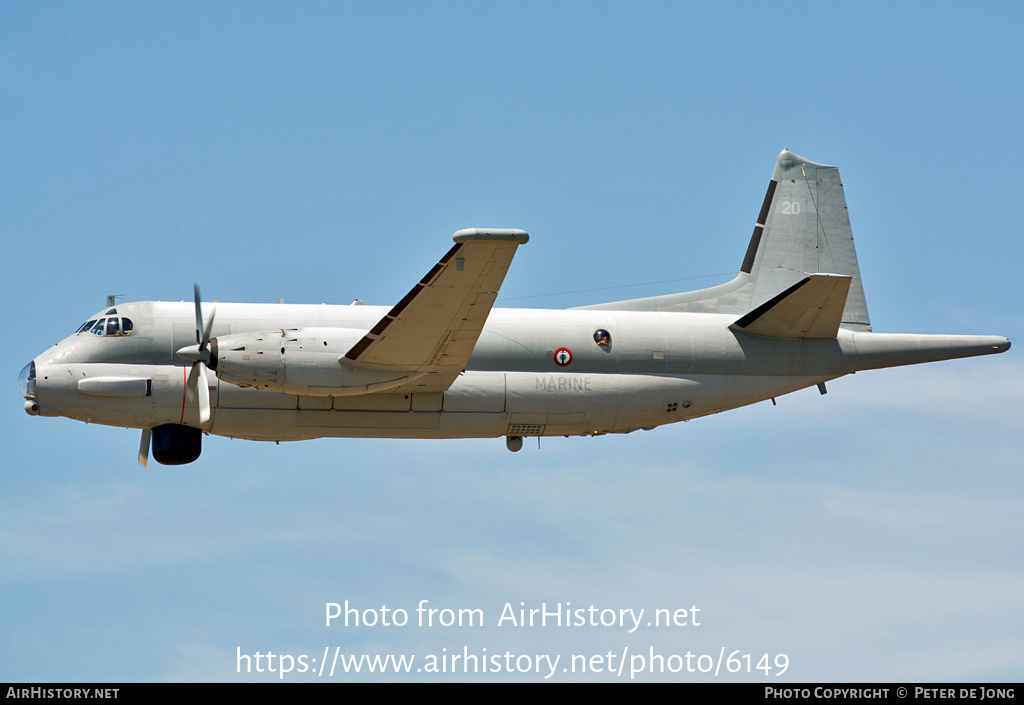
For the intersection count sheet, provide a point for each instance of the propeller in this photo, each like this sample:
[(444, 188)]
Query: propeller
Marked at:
[(147, 433), (200, 356)]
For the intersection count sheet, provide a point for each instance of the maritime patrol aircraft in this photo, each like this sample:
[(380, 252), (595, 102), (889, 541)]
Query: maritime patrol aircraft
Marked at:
[(442, 364)]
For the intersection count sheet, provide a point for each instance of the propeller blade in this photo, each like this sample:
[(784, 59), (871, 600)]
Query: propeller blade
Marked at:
[(203, 330), (190, 383), (197, 381), (208, 328), (199, 315), (147, 433), (204, 396)]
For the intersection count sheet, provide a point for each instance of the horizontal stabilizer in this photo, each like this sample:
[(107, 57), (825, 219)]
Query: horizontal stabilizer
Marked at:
[(811, 308)]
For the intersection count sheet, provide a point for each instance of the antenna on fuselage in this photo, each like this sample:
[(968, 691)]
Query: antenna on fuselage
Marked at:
[(112, 299)]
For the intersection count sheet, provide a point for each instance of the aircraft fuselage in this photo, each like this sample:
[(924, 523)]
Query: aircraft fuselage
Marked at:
[(657, 368)]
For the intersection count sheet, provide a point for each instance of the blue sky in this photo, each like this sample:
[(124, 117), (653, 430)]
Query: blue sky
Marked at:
[(325, 152)]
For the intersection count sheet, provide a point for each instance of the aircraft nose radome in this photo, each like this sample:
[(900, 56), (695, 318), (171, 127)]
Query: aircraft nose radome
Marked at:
[(26, 379)]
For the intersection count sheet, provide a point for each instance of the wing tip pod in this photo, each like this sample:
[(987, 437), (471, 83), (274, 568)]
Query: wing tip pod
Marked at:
[(520, 237)]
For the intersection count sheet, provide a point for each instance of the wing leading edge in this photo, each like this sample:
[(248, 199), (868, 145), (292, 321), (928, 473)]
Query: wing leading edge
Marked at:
[(432, 331)]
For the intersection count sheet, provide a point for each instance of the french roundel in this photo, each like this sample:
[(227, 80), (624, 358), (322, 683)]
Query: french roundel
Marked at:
[(563, 356)]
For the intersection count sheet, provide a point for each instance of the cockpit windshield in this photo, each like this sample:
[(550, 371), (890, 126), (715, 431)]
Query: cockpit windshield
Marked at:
[(113, 325)]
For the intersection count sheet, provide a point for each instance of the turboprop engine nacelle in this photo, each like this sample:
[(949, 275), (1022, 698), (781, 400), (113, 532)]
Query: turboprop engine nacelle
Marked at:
[(300, 361)]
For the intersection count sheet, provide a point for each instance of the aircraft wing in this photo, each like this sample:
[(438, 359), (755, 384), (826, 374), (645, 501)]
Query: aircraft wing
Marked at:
[(432, 331)]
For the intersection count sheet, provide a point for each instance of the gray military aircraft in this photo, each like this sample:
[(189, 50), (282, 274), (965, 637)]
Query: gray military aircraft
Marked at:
[(441, 364)]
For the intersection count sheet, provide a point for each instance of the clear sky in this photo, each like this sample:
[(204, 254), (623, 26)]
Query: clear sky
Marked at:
[(319, 152)]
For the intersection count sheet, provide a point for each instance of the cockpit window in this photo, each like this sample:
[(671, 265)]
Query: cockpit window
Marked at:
[(110, 326), (86, 326)]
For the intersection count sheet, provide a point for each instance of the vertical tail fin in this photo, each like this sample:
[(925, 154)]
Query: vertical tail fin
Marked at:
[(803, 228)]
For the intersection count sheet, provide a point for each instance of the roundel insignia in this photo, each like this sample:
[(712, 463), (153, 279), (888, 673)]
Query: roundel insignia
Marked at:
[(563, 356)]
